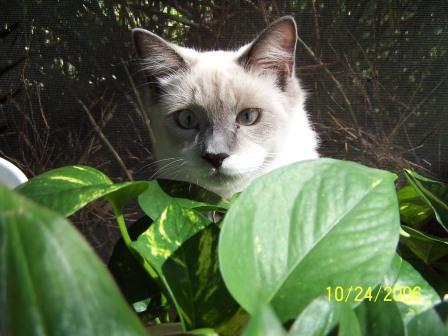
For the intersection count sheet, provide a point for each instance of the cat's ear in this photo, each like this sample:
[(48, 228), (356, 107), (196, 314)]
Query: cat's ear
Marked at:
[(274, 49), (159, 57)]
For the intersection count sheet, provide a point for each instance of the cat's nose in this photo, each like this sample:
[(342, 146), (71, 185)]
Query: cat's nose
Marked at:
[(215, 159)]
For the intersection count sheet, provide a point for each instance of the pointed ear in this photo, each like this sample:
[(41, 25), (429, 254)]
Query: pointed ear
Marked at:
[(159, 57), (274, 49)]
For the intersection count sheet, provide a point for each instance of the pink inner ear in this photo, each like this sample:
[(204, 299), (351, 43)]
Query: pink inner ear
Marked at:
[(158, 56), (287, 34), (273, 50)]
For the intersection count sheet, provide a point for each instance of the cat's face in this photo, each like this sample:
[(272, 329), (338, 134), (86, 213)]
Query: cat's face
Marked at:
[(220, 119)]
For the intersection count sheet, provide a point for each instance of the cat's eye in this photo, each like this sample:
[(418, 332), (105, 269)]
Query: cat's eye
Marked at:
[(248, 116), (186, 119)]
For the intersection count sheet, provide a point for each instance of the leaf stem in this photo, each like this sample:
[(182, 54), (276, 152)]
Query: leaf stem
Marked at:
[(122, 225), (128, 241)]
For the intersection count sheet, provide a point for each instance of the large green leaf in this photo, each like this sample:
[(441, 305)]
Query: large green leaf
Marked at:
[(322, 315), (304, 227), (414, 210), (51, 281), (437, 277), (427, 323), (182, 247), (411, 292), (435, 193), (317, 319), (427, 247), (264, 323), (68, 189), (348, 323), (379, 317), (162, 193)]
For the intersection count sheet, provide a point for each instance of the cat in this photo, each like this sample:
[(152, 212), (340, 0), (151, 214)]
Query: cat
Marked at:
[(222, 118)]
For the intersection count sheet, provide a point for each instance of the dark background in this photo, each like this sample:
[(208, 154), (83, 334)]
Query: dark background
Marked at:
[(377, 73)]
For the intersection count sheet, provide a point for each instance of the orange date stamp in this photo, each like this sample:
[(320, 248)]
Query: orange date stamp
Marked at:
[(405, 294)]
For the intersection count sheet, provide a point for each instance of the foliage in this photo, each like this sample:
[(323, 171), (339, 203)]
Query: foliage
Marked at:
[(378, 75), (375, 71), (308, 249), (51, 282), (326, 202)]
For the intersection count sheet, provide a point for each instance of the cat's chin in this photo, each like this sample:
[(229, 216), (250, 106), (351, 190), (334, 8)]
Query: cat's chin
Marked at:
[(222, 184)]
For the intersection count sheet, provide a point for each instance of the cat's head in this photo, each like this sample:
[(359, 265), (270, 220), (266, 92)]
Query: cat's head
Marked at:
[(222, 118)]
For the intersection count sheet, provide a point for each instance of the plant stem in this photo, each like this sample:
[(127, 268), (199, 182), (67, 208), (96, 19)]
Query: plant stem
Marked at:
[(122, 225), (128, 241)]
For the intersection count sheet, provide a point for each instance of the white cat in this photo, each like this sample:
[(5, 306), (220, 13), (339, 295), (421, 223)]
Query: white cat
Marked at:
[(222, 118)]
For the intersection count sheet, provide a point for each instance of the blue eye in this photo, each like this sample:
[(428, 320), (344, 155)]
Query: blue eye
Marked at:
[(186, 119), (249, 116)]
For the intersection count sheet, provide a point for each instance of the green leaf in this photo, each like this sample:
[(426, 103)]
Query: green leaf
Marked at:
[(182, 247), (427, 323), (307, 226), (435, 193), (68, 189), (411, 292), (437, 278), (348, 323), (162, 193), (380, 317), (51, 281), (134, 282), (414, 210), (166, 329), (321, 316), (427, 247), (442, 311), (264, 323)]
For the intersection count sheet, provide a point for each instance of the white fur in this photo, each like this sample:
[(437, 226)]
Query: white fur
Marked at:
[(216, 88)]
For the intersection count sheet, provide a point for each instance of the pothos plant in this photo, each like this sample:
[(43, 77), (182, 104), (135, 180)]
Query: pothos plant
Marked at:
[(314, 248)]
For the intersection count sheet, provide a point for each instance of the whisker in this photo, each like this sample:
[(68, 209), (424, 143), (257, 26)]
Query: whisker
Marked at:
[(169, 164), (155, 163), (164, 168)]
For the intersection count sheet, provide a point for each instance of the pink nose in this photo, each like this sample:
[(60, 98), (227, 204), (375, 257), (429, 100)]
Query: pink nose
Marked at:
[(215, 159)]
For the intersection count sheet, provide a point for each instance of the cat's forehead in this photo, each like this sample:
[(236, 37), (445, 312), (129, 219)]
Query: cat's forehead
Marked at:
[(215, 63), (217, 79), (217, 83)]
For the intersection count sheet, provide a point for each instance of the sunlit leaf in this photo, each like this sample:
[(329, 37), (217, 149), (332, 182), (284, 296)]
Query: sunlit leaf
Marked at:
[(408, 289), (68, 189), (427, 247), (307, 226), (162, 193), (378, 317), (135, 283), (414, 210), (435, 193), (182, 247), (264, 323), (427, 323), (51, 281), (320, 317)]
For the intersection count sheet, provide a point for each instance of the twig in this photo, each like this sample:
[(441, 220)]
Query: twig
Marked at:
[(106, 141), (316, 26), (415, 109), (140, 107), (333, 78), (316, 66)]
